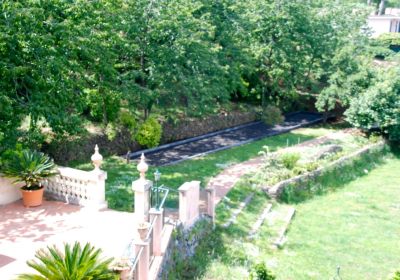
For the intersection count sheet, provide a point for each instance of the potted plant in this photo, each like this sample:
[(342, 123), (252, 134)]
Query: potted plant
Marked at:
[(143, 229), (31, 168), (122, 266)]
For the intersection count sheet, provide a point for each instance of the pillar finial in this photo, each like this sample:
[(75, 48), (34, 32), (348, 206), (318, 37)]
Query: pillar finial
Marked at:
[(142, 167), (97, 158)]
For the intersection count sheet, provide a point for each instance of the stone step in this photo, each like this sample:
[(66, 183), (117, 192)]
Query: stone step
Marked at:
[(259, 221), (237, 211), (279, 241)]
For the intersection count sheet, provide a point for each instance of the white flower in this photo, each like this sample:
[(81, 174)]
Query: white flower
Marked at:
[(366, 171)]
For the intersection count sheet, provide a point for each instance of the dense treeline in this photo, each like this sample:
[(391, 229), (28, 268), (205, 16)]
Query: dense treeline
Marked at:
[(61, 59)]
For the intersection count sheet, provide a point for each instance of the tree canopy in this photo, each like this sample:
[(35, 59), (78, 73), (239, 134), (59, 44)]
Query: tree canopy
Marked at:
[(61, 59)]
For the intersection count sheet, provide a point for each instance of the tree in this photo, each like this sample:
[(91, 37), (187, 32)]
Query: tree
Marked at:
[(379, 104), (124, 128)]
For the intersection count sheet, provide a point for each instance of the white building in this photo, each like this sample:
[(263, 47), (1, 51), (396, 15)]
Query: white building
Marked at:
[(387, 23)]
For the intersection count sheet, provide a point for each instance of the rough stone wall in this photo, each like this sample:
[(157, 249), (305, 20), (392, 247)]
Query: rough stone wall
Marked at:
[(82, 148), (183, 244), (193, 128), (276, 190)]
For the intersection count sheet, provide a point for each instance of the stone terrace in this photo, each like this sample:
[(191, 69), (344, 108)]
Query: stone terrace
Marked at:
[(25, 230)]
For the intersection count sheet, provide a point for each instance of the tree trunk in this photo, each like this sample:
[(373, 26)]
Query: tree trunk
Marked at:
[(325, 117), (128, 158), (381, 7), (104, 107), (263, 98), (369, 3)]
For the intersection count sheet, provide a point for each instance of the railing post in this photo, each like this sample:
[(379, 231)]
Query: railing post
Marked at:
[(211, 202), (189, 196), (142, 192), (142, 271), (157, 229)]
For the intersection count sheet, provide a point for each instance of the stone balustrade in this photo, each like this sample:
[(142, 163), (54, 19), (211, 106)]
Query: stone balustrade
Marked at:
[(83, 188)]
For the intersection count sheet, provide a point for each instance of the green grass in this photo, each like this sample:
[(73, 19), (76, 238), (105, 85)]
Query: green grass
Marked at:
[(353, 223), (120, 175)]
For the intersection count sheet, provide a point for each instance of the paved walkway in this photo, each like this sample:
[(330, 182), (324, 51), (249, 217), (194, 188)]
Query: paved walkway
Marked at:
[(198, 146), (227, 179), (25, 230)]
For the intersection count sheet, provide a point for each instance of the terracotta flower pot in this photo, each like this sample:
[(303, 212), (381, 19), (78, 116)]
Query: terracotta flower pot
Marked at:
[(123, 272), (32, 198), (143, 230)]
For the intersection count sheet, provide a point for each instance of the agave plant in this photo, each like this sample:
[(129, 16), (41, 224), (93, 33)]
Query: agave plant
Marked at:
[(31, 168), (75, 264)]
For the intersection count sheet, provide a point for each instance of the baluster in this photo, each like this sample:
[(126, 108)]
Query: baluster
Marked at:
[(68, 186), (78, 189), (61, 186), (73, 187)]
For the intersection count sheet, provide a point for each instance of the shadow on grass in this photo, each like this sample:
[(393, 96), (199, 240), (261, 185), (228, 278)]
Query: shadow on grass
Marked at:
[(335, 177)]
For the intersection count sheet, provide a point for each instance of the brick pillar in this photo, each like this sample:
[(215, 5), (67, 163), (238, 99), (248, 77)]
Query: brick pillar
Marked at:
[(142, 268), (157, 230), (189, 196), (142, 198)]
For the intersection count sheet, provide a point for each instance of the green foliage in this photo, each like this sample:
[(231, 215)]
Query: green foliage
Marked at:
[(30, 167), (378, 104), (111, 103), (380, 52), (396, 275), (289, 159), (272, 115), (125, 128), (149, 133), (75, 264), (9, 154), (261, 272), (386, 40)]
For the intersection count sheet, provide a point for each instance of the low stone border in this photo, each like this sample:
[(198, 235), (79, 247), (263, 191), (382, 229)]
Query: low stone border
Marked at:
[(259, 221), (277, 190), (279, 239), (237, 211)]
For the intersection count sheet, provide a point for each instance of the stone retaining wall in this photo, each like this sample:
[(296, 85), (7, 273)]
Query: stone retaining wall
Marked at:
[(183, 244), (82, 147), (277, 190)]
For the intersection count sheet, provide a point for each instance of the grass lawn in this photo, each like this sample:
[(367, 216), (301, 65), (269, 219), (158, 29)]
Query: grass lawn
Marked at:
[(120, 175), (356, 226)]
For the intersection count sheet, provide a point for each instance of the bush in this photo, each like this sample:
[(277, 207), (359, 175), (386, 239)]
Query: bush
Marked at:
[(260, 272), (272, 115), (149, 133), (289, 160), (75, 264), (386, 40), (380, 52)]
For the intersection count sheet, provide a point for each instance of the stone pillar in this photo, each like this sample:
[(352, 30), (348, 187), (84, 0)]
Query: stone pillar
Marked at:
[(189, 196), (98, 182), (211, 202), (142, 192), (142, 270), (157, 230)]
